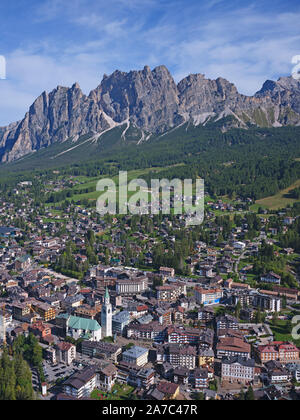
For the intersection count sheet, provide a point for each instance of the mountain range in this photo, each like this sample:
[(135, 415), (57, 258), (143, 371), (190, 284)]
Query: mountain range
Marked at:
[(149, 102)]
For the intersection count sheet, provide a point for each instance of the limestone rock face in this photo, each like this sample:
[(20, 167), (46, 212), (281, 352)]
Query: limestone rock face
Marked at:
[(149, 100)]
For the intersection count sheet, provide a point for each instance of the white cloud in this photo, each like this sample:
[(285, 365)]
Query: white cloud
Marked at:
[(30, 74), (241, 44)]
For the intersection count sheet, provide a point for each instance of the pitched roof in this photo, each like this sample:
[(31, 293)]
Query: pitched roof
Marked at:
[(233, 344), (240, 360), (81, 323), (64, 346), (79, 379), (167, 388)]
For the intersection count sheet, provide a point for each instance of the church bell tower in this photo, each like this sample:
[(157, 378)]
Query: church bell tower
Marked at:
[(106, 316)]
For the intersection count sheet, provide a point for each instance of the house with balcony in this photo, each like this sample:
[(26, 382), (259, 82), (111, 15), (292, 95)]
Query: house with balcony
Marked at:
[(81, 384)]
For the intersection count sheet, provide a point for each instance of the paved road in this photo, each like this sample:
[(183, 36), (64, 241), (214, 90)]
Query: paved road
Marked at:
[(236, 264)]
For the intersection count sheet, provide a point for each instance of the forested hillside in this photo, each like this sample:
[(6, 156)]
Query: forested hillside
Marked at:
[(256, 163)]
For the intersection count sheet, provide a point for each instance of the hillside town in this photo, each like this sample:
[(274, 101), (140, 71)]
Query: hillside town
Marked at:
[(140, 307)]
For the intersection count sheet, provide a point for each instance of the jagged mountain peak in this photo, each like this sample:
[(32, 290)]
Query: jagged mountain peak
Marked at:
[(268, 86), (149, 100), (283, 83), (76, 86)]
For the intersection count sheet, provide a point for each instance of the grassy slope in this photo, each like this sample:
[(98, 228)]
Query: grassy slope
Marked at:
[(177, 147), (280, 199), (92, 182)]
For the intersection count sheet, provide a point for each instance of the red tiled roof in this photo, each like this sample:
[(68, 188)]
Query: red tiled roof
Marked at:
[(142, 308), (276, 346), (64, 346), (234, 344), (167, 388)]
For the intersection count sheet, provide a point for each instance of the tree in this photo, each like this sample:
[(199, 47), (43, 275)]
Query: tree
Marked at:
[(24, 389), (157, 281), (90, 236), (15, 378), (284, 302), (241, 396), (199, 396), (213, 385), (250, 394), (258, 317), (238, 309), (289, 326), (107, 257), (275, 318)]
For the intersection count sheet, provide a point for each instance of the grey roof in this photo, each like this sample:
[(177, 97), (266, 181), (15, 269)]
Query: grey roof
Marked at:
[(145, 319), (206, 352), (238, 359), (145, 372), (135, 352), (181, 371), (157, 395), (73, 299), (123, 316), (201, 373), (227, 318), (101, 346)]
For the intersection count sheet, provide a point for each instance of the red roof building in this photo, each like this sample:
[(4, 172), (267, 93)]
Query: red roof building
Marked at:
[(278, 350)]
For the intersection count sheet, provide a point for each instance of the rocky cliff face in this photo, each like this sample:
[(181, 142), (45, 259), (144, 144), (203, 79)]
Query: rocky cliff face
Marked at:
[(149, 100)]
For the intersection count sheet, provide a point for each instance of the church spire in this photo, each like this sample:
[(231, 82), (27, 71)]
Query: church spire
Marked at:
[(106, 297)]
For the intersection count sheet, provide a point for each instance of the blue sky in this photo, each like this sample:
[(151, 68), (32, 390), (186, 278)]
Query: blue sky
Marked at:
[(57, 42)]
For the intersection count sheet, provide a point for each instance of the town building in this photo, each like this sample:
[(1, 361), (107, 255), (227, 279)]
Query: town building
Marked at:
[(106, 377), (284, 352), (120, 321), (167, 272), (170, 293), (136, 355), (45, 311), (206, 314), (177, 355), (152, 331), (238, 370), (208, 296), (270, 278), (132, 286), (65, 352), (276, 373), (81, 384), (200, 378), (227, 322), (101, 350), (206, 357), (164, 391), (233, 346)]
